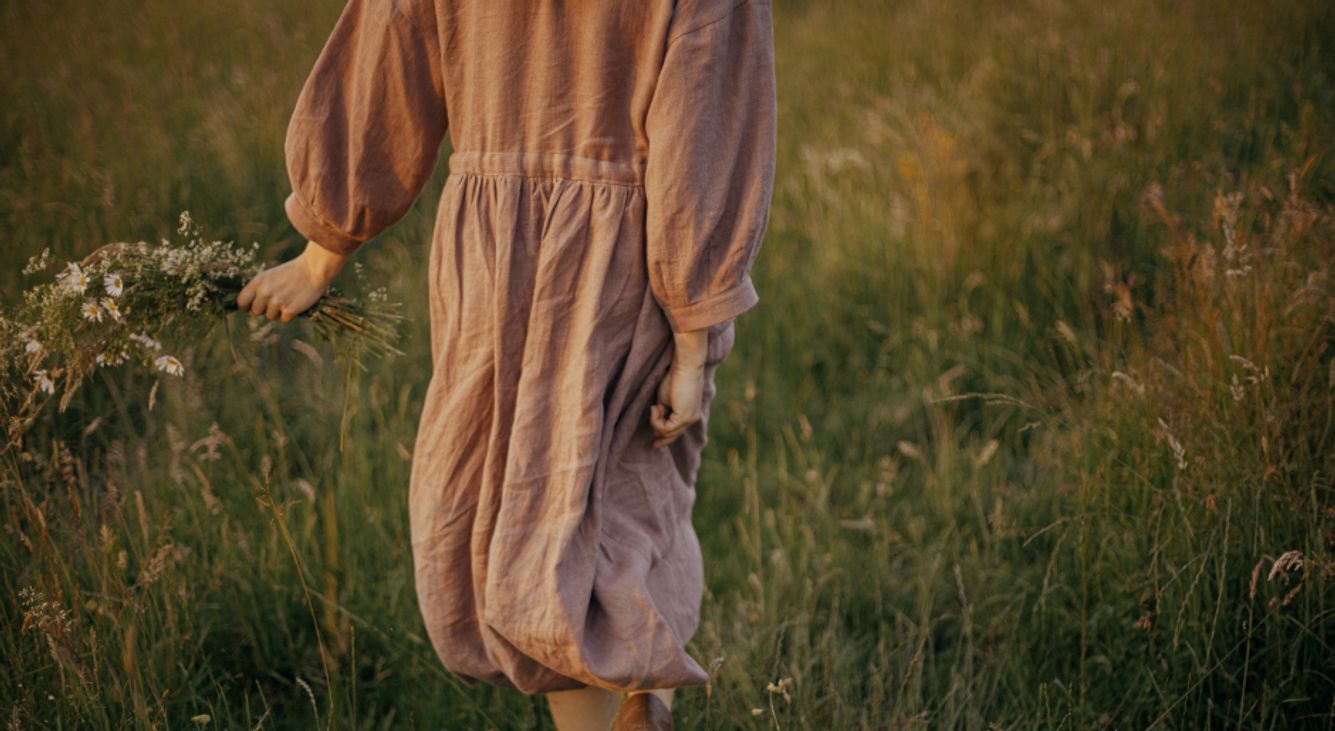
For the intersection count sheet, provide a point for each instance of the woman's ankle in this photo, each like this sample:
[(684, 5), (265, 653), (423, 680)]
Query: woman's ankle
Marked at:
[(664, 694)]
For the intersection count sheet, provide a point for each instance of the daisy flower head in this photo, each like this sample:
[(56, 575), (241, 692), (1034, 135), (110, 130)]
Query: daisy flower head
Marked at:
[(169, 364), (91, 311), (74, 278), (44, 381), (111, 307), (114, 284)]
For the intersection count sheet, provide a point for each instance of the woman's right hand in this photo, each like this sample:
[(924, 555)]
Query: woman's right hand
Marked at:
[(681, 393), (292, 287)]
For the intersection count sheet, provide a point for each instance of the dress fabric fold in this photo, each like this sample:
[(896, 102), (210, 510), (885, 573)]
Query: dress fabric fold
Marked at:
[(610, 174)]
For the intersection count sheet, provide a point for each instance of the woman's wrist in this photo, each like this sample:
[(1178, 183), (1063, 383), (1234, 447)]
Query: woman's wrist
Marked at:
[(323, 263), (691, 346)]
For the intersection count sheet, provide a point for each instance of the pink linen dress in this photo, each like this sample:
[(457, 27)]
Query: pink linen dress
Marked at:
[(610, 178)]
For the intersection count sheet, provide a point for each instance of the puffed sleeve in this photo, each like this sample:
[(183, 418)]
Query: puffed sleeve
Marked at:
[(366, 132), (709, 171)]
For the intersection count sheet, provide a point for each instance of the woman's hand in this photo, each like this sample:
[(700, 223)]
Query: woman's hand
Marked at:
[(681, 393), (290, 288)]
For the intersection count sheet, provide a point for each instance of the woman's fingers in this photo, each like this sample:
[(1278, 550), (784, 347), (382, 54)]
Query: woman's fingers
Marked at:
[(667, 428), (665, 440), (260, 304), (244, 297), (284, 291), (256, 304), (254, 297), (679, 402), (662, 420), (670, 437)]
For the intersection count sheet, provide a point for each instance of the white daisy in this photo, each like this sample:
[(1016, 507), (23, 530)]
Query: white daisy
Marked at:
[(169, 364), (111, 307), (91, 311), (44, 381), (74, 278), (114, 284)]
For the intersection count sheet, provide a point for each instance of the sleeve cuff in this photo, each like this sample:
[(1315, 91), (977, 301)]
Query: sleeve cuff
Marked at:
[(713, 309), (305, 221)]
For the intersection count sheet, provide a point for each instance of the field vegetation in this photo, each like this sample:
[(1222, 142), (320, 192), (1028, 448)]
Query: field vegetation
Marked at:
[(1034, 426)]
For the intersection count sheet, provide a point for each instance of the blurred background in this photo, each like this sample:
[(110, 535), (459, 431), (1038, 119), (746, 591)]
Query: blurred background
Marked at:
[(1032, 428)]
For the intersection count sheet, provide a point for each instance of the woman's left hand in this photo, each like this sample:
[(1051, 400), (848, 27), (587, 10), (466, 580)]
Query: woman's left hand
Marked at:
[(290, 288), (681, 392)]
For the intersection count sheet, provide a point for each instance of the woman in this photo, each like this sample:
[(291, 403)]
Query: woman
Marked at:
[(609, 187)]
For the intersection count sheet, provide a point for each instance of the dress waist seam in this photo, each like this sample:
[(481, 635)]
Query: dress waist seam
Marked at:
[(546, 165)]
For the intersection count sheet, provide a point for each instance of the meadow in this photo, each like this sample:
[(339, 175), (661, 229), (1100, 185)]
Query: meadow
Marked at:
[(1033, 427)]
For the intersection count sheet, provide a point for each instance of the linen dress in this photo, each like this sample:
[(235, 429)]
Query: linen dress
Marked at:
[(609, 183)]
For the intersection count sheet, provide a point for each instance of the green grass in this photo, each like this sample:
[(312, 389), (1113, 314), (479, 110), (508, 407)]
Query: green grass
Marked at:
[(948, 485)]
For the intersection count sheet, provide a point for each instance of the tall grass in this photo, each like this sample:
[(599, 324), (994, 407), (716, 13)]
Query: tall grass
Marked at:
[(1032, 427)]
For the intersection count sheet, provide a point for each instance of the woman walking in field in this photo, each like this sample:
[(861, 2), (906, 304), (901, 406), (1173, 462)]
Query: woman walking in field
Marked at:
[(609, 187)]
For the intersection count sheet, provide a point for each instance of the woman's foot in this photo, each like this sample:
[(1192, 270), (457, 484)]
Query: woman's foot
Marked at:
[(643, 711)]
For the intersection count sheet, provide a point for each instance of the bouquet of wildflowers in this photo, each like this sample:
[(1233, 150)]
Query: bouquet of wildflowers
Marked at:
[(125, 302)]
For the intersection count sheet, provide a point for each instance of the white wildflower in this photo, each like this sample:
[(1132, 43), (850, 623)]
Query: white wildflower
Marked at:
[(114, 284), (44, 614), (112, 357), (111, 307), (91, 311), (44, 381), (32, 346), (146, 341), (169, 364), (38, 262), (74, 278)]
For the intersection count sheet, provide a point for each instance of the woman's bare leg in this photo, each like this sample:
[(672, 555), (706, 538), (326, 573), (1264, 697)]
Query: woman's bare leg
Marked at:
[(583, 709), (592, 709), (664, 694)]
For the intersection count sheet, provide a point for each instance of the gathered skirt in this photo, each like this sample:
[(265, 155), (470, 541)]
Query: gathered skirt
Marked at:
[(552, 543)]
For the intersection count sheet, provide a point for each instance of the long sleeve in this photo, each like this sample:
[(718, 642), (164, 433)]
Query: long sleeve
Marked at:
[(709, 173), (366, 132)]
